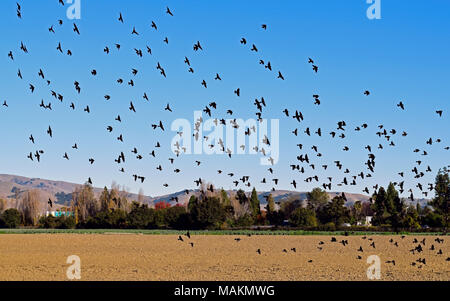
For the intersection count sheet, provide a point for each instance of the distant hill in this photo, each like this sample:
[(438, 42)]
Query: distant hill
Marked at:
[(61, 192), (283, 195)]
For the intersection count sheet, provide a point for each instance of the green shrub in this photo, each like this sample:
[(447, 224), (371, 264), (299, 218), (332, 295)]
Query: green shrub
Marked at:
[(47, 222), (64, 222), (303, 217), (61, 222), (140, 216), (327, 227), (10, 218), (114, 219), (244, 221)]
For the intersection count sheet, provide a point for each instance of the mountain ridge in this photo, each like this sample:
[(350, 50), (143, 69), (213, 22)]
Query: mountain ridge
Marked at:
[(12, 186)]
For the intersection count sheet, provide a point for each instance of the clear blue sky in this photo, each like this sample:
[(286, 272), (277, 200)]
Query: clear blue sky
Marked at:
[(402, 57)]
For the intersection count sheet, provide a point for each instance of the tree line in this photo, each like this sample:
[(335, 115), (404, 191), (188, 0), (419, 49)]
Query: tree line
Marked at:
[(218, 209)]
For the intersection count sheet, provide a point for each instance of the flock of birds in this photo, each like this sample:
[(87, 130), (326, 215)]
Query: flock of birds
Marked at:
[(304, 162), (418, 248)]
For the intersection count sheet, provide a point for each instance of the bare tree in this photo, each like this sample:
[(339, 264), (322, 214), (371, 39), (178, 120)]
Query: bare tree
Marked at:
[(30, 207), (84, 202), (208, 187), (240, 209), (105, 200), (122, 201), (16, 192), (3, 205), (141, 196)]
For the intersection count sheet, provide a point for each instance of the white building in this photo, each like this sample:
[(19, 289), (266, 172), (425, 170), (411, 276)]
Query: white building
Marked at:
[(59, 213), (366, 222)]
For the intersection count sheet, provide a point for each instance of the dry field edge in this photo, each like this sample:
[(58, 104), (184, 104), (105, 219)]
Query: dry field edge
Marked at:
[(119, 257), (210, 232)]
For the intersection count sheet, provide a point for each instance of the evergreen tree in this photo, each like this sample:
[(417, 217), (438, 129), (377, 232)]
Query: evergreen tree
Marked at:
[(209, 213), (379, 206), (335, 211), (394, 207), (140, 216), (193, 201), (241, 196), (411, 219), (303, 217), (317, 198), (391, 194), (441, 201), (270, 207), (254, 201)]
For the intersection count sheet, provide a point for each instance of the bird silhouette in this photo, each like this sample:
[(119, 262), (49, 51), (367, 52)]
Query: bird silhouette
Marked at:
[(280, 75), (50, 132), (75, 29)]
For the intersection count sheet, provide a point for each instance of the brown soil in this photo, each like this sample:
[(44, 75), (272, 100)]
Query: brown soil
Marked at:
[(163, 257)]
